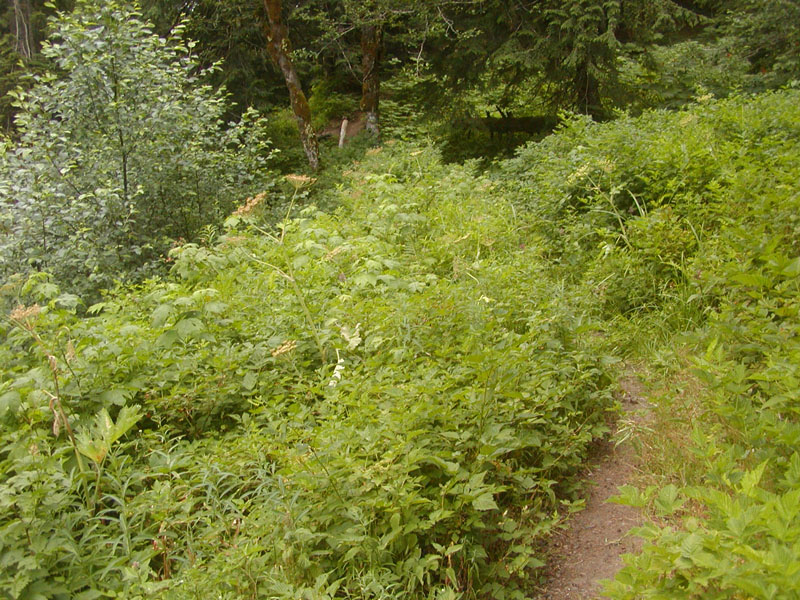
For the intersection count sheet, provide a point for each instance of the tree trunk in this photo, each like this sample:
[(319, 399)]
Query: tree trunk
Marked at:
[(371, 38), (588, 92), (279, 49), (20, 26)]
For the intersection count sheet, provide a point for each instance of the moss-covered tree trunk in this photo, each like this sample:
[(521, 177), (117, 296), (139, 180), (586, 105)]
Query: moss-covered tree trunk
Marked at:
[(371, 38), (280, 49)]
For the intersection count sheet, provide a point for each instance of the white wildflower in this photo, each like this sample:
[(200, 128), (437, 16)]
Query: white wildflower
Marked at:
[(337, 371)]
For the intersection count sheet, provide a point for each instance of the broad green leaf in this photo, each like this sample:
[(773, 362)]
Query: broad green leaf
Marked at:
[(668, 501), (751, 279), (117, 397), (484, 502), (130, 330), (300, 261), (69, 301), (167, 339), (9, 401), (792, 269), (160, 315), (126, 419), (95, 449), (752, 478), (632, 496), (249, 380), (215, 308), (189, 327)]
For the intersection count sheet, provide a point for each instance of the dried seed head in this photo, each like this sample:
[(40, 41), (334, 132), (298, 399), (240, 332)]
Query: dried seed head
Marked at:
[(23, 314), (336, 251), (70, 354), (250, 204), (299, 181), (285, 347), (233, 240), (337, 371)]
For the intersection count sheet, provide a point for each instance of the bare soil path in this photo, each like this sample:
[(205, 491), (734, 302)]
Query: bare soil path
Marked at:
[(589, 549)]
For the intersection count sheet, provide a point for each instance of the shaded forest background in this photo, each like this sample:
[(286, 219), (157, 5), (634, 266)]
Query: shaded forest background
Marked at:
[(462, 57)]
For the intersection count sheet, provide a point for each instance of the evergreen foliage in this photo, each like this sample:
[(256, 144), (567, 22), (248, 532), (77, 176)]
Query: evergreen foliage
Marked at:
[(766, 33)]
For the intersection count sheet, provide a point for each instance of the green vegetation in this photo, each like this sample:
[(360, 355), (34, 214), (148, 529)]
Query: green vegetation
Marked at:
[(734, 530), (361, 400), (683, 228), (390, 398), (119, 155), (384, 380)]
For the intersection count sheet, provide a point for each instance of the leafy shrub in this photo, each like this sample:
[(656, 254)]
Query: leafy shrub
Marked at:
[(280, 127), (740, 540), (640, 272), (641, 200), (384, 399), (327, 104), (675, 75), (121, 150)]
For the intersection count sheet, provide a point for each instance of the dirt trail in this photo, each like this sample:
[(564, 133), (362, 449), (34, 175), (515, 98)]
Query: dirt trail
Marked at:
[(589, 550)]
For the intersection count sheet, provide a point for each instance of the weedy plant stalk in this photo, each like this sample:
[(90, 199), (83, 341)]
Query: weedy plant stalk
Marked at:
[(22, 318)]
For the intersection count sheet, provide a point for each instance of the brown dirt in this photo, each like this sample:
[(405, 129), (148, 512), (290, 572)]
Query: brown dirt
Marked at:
[(589, 549), (355, 125)]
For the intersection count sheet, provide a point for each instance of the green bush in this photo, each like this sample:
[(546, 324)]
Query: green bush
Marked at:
[(635, 206), (385, 399), (741, 536), (675, 75), (121, 151)]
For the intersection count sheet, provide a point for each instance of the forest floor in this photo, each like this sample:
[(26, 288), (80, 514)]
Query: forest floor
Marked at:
[(590, 548), (355, 125)]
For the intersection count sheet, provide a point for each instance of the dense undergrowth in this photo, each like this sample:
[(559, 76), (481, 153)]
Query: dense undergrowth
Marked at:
[(387, 399), (734, 532), (391, 398), (682, 229)]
